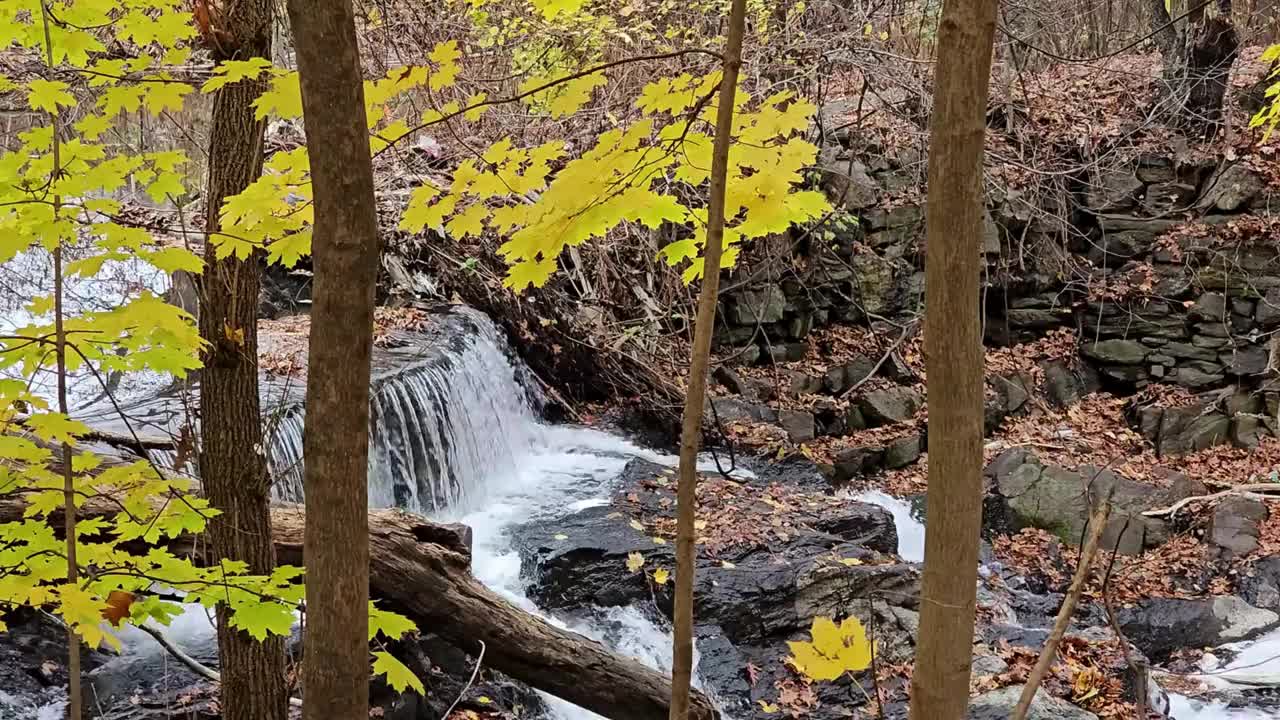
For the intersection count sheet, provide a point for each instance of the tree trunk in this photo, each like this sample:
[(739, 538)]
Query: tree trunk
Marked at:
[(691, 429), (233, 467), (1211, 47), (344, 252), (954, 360)]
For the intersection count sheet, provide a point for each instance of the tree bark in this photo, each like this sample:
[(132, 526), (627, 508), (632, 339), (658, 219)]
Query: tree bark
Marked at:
[(691, 429), (344, 251), (954, 360), (233, 466), (1211, 48)]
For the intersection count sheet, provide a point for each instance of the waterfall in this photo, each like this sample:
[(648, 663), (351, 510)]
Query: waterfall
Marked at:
[(444, 420)]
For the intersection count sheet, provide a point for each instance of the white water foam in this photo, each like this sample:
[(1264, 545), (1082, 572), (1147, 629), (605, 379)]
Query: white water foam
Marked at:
[(910, 528)]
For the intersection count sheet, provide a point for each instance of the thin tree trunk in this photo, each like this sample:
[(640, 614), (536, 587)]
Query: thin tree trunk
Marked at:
[(75, 696), (233, 466), (954, 360), (691, 429), (335, 666)]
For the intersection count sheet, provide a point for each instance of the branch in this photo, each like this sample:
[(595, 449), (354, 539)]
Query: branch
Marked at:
[(1096, 525), (1251, 491), (192, 664)]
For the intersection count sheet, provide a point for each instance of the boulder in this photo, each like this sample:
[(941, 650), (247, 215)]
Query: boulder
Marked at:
[(999, 705), (855, 462), (1246, 360), (1159, 626), (1116, 249), (903, 451), (1209, 308), (875, 283), (1058, 500), (1267, 313), (739, 409), (1259, 584), (889, 405), (1236, 525), (1186, 429)]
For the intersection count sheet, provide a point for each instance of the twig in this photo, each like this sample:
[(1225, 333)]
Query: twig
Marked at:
[(906, 332), (1137, 667), (1251, 491), (471, 681), (192, 664), (1097, 523)]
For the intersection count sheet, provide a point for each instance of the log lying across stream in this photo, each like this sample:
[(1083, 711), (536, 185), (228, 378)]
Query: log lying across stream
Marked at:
[(423, 569)]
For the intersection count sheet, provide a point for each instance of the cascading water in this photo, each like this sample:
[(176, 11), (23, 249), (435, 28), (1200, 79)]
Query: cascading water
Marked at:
[(442, 426)]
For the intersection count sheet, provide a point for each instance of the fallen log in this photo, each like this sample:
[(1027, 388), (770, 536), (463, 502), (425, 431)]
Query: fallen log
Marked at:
[(423, 569)]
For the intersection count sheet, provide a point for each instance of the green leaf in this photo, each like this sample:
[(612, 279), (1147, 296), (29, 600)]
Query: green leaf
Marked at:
[(49, 95), (392, 625), (263, 618), (398, 676)]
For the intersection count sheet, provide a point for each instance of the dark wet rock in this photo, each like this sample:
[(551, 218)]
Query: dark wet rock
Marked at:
[(1113, 191), (855, 462), (1236, 525), (1232, 188), (1159, 626), (889, 405), (999, 705), (1246, 360)]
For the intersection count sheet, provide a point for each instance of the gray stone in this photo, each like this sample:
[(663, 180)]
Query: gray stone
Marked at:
[(805, 384), (759, 305), (1205, 341), (1113, 192), (988, 665), (889, 405), (1168, 197), (1188, 351), (875, 283), (848, 184), (1268, 311), (1213, 329), (834, 382), (1209, 307), (730, 380), (1161, 359), (1242, 306), (1037, 318), (1196, 379), (902, 452), (1232, 188), (1191, 428), (798, 424), (1013, 392), (1115, 249), (855, 462), (902, 216), (1240, 620), (1116, 352), (737, 409), (1260, 584), (1155, 169), (800, 326), (1246, 431), (999, 705), (1236, 525), (854, 420), (1246, 360), (796, 351)]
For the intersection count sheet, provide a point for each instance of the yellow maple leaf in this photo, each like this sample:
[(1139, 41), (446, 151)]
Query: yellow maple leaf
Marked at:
[(661, 575), (634, 561), (833, 649)]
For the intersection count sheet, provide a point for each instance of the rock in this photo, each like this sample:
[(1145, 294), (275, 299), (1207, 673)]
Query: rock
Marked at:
[(855, 462), (858, 370), (730, 380), (1116, 352), (1168, 197), (875, 283), (1064, 385), (1209, 307), (758, 305), (902, 452), (1196, 379), (1246, 360), (1115, 249), (848, 184), (1236, 525), (1267, 313), (1159, 626), (1231, 188), (987, 664), (889, 405), (1013, 391), (999, 705), (737, 409), (798, 424), (1259, 585), (1187, 351), (1155, 169), (1190, 428), (805, 384), (1055, 499), (1246, 431), (1113, 192)]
